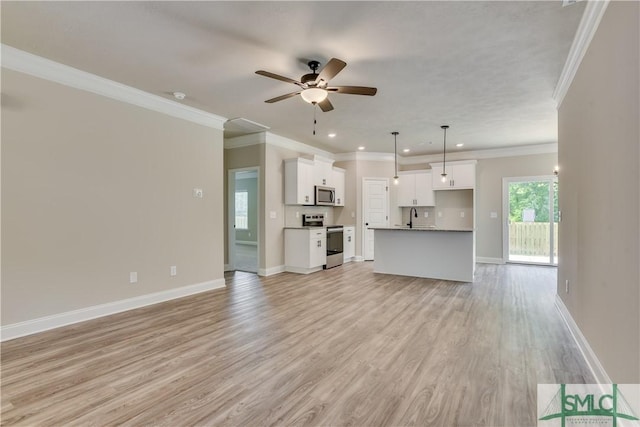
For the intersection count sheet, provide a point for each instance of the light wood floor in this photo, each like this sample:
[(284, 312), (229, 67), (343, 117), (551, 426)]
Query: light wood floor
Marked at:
[(339, 347)]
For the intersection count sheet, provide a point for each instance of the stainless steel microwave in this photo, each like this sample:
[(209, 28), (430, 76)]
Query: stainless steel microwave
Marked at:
[(325, 196)]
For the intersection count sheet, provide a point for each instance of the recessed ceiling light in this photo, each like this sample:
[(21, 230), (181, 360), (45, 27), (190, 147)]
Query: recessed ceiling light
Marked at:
[(179, 95), (406, 150), (361, 148), (332, 135), (459, 145)]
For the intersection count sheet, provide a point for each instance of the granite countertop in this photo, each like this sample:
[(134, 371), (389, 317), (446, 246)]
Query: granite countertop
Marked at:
[(421, 228)]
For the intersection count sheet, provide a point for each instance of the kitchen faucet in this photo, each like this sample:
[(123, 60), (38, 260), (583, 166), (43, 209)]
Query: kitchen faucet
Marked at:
[(412, 212)]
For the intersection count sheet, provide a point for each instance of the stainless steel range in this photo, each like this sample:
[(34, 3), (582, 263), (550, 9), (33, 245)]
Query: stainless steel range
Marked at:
[(335, 244), (335, 238)]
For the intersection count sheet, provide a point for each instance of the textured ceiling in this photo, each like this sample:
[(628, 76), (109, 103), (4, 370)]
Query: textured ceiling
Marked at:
[(488, 69)]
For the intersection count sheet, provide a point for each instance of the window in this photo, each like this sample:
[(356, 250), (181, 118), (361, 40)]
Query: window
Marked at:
[(242, 210)]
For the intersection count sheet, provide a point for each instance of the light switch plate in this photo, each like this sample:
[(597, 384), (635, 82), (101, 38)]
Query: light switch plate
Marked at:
[(173, 270), (198, 193), (439, 214), (493, 215), (272, 214), (426, 214), (133, 277), (461, 214)]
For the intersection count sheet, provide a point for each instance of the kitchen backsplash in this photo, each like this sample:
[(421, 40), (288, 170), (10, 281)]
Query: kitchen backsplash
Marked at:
[(421, 220), (290, 219)]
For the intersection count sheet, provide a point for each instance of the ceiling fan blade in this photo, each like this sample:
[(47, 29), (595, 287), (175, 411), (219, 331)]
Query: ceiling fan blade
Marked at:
[(333, 67), (281, 97), (354, 90), (278, 77), (325, 105)]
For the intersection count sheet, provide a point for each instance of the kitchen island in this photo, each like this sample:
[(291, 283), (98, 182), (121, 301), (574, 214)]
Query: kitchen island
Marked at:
[(425, 252)]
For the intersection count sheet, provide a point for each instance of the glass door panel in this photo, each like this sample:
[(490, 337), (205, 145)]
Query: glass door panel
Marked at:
[(532, 222)]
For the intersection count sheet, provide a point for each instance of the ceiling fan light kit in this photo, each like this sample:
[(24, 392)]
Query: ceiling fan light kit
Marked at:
[(314, 95)]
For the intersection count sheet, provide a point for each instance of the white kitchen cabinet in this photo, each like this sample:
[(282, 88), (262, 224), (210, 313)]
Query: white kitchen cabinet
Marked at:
[(323, 172), (305, 249), (298, 182), (415, 189), (349, 245), (338, 183), (460, 175)]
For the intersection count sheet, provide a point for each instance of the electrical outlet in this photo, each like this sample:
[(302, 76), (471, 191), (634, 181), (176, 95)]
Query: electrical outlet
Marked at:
[(353, 214), (272, 214), (198, 193), (439, 214), (461, 214), (133, 277), (566, 286), (493, 215), (426, 214), (174, 270)]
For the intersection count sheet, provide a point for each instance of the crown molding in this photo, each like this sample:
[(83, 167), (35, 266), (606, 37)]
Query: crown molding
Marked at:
[(361, 155), (525, 150), (591, 18), (290, 144), (27, 63)]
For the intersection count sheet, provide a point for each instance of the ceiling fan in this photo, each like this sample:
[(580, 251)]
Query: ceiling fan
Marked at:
[(314, 86)]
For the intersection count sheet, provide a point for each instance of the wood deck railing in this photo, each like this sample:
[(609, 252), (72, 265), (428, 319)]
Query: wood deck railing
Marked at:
[(531, 238)]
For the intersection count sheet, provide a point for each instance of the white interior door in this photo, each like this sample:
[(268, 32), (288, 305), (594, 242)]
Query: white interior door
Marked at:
[(375, 209)]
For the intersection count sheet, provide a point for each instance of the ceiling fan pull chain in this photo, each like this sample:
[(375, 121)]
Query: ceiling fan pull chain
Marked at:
[(315, 107)]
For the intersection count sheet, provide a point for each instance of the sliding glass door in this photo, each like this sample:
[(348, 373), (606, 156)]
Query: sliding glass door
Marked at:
[(531, 226)]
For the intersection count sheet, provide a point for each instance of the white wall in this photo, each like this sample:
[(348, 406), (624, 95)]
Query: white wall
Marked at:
[(94, 188), (599, 159)]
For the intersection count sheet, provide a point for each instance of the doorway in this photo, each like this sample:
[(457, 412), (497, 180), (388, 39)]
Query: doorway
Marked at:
[(375, 211), (243, 219), (531, 220)]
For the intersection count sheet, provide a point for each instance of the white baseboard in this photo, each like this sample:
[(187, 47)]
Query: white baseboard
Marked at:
[(270, 271), (489, 260), (587, 352), (29, 327), (358, 258)]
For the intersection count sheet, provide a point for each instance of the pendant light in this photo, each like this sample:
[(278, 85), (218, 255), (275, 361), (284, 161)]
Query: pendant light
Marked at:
[(444, 155), (395, 155)]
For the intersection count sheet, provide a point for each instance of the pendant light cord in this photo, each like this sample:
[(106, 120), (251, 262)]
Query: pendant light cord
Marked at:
[(395, 152), (444, 152)]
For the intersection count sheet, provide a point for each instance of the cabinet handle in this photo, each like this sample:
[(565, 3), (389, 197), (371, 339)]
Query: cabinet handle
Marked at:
[(306, 198), (349, 239), (319, 243), (324, 181)]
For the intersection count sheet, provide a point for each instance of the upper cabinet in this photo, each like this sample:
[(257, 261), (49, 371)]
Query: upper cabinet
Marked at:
[(338, 182), (323, 172), (415, 189), (460, 175), (301, 175), (298, 182)]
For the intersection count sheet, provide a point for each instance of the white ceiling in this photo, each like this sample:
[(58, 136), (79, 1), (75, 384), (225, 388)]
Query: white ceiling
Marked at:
[(488, 69)]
